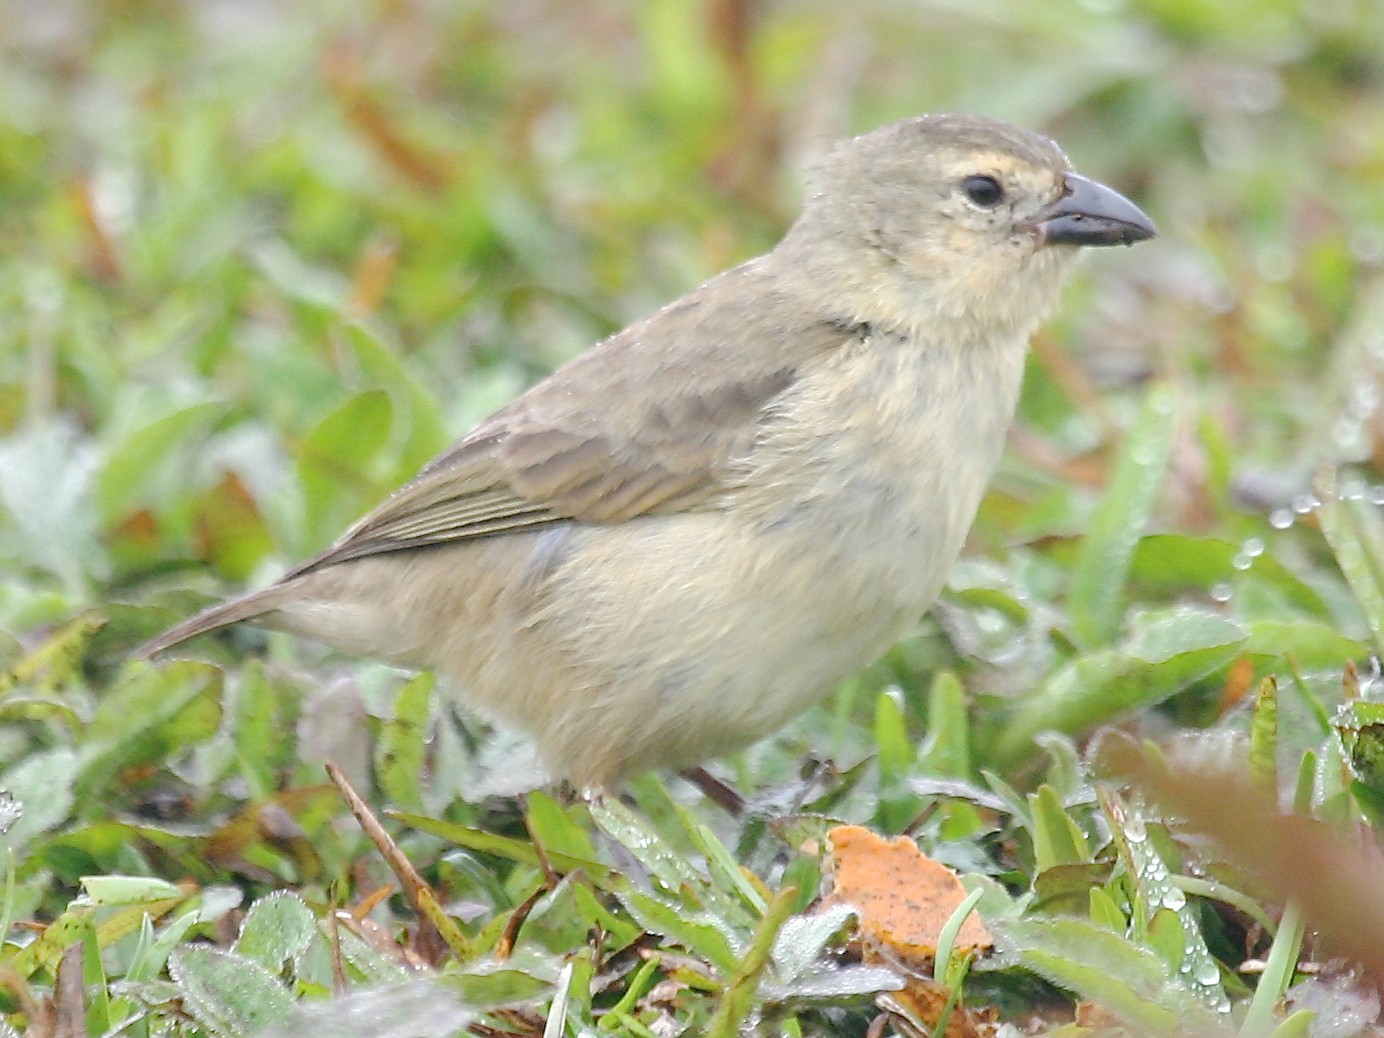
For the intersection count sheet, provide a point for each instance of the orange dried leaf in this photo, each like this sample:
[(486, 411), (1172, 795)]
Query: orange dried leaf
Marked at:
[(917, 1009), (903, 897), (1237, 684), (371, 900)]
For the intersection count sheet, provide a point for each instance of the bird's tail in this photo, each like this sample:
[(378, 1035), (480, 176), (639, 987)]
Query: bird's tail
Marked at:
[(247, 607)]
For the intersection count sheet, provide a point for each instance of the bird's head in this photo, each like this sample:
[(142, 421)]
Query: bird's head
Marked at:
[(943, 218)]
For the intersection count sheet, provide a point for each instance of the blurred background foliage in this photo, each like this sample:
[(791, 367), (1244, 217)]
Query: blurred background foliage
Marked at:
[(260, 260)]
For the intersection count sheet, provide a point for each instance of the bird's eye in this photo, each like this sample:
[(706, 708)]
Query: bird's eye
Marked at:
[(985, 192)]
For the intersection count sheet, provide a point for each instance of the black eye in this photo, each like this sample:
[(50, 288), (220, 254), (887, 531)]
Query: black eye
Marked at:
[(983, 191)]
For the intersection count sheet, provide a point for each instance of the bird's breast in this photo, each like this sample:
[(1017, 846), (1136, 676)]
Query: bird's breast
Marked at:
[(873, 464)]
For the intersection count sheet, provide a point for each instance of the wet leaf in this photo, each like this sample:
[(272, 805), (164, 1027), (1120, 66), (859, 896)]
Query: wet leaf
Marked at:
[(42, 788), (277, 928), (228, 994), (400, 751), (1106, 553)]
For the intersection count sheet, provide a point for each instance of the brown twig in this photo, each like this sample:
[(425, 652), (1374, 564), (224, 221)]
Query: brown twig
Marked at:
[(420, 895)]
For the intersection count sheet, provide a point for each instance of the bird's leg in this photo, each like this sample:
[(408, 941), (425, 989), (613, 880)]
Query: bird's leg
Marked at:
[(718, 792)]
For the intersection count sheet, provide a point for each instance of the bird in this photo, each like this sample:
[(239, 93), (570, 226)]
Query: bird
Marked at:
[(696, 529)]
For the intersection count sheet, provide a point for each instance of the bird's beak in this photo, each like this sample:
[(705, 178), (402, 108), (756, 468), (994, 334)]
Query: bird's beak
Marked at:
[(1092, 214)]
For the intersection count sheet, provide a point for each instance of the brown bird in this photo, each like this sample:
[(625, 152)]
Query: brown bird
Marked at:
[(696, 529)]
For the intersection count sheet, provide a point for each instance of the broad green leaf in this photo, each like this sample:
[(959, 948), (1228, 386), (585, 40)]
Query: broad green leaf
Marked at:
[(800, 944), (649, 848), (726, 875), (557, 920), (1057, 840), (947, 748), (508, 848), (419, 1006), (369, 964), (400, 750), (336, 462), (556, 829), (42, 787), (417, 412), (694, 931), (132, 469), (46, 951), (620, 932), (96, 984), (895, 749), (278, 927), (258, 728), (1098, 581), (1153, 892), (229, 994), (1166, 651), (151, 711), (500, 984), (1066, 889), (1176, 561), (1108, 969), (1166, 938), (231, 529), (1355, 532), (1105, 912), (46, 472), (1308, 644), (894, 756), (106, 891)]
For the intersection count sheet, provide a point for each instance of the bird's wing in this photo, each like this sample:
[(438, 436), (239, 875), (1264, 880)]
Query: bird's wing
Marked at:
[(644, 423)]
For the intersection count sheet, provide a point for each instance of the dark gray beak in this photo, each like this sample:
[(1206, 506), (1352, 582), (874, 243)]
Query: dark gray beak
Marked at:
[(1092, 214)]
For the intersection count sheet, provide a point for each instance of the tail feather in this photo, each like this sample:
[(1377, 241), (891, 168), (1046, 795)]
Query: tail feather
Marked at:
[(247, 607)]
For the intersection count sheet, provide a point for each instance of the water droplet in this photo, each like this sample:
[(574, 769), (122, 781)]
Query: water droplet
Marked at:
[(1220, 592), (1174, 899), (1134, 830), (1377, 494), (1253, 547), (1304, 503), (1208, 973), (1353, 490), (1282, 518), (1241, 561)]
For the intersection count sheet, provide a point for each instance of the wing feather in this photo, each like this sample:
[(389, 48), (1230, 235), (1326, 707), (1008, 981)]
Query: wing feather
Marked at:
[(644, 423)]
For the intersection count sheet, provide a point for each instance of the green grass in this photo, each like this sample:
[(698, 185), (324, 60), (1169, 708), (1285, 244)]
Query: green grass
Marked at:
[(259, 262)]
